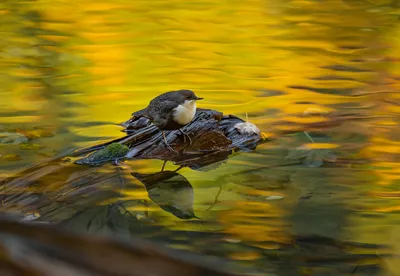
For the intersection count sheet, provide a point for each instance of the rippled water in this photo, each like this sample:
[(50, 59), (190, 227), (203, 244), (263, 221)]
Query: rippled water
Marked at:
[(318, 74)]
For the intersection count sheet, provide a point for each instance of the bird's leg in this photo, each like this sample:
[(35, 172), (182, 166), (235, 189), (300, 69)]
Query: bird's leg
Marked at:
[(166, 143), (184, 137)]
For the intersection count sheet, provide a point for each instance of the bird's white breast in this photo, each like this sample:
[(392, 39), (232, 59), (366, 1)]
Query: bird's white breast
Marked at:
[(184, 113)]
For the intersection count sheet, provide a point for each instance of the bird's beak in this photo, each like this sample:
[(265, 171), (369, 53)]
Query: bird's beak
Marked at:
[(198, 99)]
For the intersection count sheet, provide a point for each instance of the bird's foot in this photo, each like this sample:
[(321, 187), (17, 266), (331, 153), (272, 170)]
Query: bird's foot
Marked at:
[(185, 135), (166, 143), (170, 148)]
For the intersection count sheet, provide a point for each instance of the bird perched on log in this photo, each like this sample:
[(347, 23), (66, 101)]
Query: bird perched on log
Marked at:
[(171, 111)]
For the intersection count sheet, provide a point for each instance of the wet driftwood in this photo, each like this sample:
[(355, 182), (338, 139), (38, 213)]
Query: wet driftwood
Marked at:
[(212, 135), (29, 249)]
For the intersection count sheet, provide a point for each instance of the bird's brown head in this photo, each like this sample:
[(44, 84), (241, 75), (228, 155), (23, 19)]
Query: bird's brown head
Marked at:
[(188, 95)]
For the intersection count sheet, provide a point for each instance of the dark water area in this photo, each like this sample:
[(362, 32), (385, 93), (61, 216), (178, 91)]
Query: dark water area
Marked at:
[(319, 196)]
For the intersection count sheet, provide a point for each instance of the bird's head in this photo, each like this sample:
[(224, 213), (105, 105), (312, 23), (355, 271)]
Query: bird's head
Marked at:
[(187, 95)]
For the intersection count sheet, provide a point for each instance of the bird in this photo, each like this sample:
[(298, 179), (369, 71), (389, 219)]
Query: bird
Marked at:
[(171, 111)]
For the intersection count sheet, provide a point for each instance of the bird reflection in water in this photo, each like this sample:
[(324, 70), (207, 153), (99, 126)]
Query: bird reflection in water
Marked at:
[(171, 191)]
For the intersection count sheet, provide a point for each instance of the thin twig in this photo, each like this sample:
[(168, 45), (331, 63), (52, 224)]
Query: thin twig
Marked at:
[(216, 199), (309, 137)]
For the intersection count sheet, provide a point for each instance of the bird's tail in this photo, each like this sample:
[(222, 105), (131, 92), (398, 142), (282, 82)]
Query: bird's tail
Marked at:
[(140, 113), (135, 116)]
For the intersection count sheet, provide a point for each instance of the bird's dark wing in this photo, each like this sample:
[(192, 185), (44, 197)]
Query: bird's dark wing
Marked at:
[(150, 109), (160, 112), (162, 97)]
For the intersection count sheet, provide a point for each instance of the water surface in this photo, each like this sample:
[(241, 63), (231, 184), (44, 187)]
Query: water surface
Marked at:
[(322, 69)]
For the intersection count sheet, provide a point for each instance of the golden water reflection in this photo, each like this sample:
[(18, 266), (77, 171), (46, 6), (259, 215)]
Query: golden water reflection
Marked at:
[(71, 70)]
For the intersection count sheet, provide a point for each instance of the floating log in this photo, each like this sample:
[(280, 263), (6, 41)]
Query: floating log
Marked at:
[(212, 136)]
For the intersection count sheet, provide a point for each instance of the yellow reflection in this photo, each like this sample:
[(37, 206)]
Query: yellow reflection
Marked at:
[(321, 146)]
